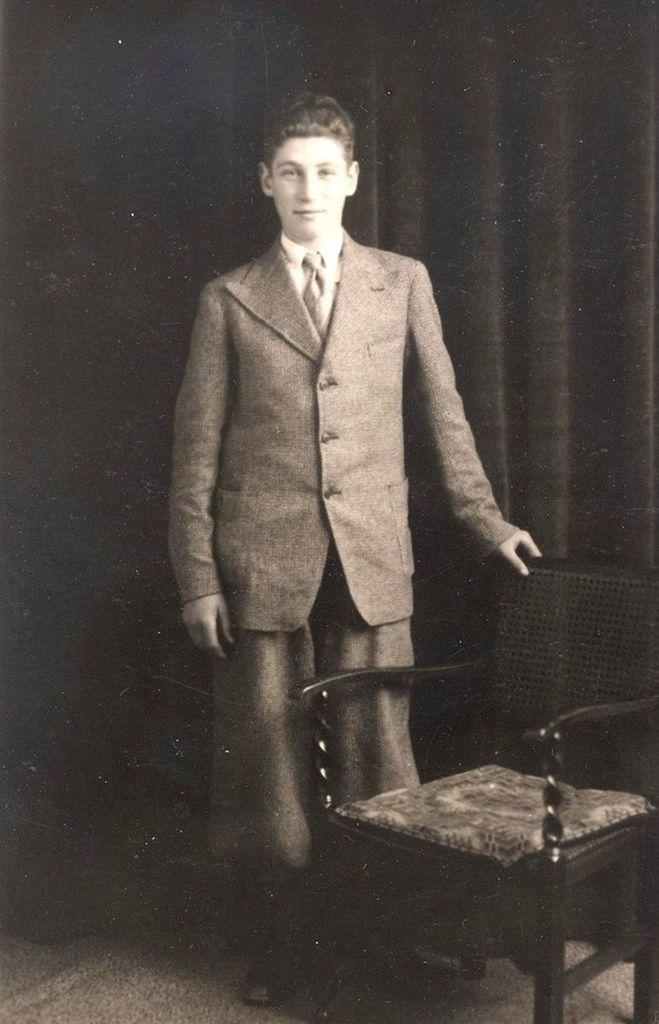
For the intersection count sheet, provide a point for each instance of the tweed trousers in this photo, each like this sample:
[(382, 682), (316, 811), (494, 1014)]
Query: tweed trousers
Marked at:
[(263, 803)]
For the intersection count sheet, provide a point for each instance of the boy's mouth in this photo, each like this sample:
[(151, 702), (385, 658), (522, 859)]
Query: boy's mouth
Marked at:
[(308, 213)]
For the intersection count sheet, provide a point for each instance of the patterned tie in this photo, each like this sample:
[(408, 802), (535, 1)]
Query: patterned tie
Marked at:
[(315, 291)]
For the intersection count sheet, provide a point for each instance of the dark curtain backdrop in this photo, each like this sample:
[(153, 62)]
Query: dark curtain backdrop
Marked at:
[(510, 146)]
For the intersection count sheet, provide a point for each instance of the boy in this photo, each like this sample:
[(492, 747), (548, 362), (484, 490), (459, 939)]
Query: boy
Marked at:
[(289, 535)]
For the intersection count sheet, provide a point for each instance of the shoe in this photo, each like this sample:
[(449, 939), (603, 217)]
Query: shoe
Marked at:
[(268, 982)]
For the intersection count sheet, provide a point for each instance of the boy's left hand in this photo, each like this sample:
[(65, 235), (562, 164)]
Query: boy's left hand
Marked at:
[(508, 549)]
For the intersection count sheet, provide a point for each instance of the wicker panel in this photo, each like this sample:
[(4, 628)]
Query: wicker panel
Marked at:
[(567, 637)]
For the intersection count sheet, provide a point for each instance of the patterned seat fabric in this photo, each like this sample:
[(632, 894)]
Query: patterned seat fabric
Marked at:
[(492, 811)]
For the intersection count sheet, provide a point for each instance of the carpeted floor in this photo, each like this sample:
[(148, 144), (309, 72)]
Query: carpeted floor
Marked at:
[(131, 924), (152, 979)]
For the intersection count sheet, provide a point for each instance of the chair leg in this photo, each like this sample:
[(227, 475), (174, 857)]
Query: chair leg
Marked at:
[(646, 984), (646, 963), (549, 988), (550, 960)]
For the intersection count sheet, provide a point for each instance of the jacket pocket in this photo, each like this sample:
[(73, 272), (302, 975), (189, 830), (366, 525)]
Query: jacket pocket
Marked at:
[(398, 501), (385, 347)]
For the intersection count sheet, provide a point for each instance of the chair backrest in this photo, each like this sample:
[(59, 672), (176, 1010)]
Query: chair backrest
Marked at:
[(569, 635)]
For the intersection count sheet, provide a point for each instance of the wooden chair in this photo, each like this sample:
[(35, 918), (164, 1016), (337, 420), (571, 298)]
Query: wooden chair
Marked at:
[(494, 860)]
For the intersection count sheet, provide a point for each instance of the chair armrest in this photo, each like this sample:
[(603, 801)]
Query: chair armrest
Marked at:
[(316, 693), (309, 689), (550, 738), (592, 713)]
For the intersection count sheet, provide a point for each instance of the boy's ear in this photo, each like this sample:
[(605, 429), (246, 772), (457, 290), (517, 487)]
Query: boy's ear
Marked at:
[(265, 178), (353, 178)]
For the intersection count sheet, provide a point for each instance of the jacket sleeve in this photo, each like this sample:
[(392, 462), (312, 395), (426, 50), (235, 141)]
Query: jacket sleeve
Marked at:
[(467, 488), (201, 411)]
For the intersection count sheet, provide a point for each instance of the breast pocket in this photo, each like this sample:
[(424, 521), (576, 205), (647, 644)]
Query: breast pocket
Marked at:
[(385, 348)]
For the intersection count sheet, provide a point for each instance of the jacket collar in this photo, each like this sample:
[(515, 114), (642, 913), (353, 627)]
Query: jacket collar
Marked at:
[(267, 291), (330, 251)]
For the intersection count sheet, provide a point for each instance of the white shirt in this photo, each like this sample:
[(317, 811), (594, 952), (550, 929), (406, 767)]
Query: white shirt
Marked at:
[(331, 253)]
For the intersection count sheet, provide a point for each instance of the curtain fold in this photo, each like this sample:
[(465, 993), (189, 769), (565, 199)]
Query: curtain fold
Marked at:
[(511, 147), (541, 353), (519, 148)]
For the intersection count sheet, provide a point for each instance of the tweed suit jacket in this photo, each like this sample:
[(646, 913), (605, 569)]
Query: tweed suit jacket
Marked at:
[(281, 440)]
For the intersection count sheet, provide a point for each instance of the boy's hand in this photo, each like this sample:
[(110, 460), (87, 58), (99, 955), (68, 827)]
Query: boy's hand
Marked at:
[(508, 549), (207, 621)]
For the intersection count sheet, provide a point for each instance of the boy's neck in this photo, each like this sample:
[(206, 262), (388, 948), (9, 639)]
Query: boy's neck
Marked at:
[(332, 241)]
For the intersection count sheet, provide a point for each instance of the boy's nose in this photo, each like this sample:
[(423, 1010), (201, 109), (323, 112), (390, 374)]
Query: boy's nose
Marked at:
[(308, 188)]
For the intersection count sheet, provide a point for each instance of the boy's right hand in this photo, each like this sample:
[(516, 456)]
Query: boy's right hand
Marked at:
[(207, 621)]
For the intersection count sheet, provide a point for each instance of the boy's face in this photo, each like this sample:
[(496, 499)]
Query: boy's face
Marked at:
[(309, 179)]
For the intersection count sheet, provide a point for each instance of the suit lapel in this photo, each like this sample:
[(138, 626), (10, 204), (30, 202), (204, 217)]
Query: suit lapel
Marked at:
[(359, 295), (268, 292)]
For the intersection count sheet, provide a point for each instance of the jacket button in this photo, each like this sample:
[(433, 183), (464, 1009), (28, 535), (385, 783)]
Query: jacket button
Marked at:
[(330, 492), (328, 436), (327, 382)]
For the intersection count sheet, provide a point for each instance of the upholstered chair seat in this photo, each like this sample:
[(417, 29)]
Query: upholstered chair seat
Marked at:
[(493, 812)]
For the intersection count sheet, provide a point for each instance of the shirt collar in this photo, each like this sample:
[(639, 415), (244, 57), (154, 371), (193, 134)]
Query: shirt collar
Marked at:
[(330, 250)]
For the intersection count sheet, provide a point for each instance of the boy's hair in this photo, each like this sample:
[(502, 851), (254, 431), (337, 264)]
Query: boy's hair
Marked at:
[(305, 115)]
